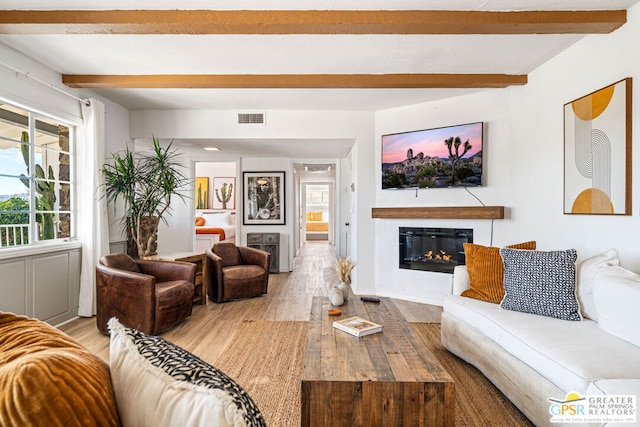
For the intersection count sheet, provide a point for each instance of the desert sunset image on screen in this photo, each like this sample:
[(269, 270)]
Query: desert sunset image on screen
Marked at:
[(433, 158)]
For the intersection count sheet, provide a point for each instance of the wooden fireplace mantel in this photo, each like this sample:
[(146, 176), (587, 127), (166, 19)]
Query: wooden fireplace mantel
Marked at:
[(440, 212)]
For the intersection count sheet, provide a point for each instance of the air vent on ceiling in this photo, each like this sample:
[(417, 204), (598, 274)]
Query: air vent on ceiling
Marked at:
[(317, 168), (250, 118)]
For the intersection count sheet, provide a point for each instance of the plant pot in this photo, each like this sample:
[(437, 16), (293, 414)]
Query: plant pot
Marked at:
[(148, 238)]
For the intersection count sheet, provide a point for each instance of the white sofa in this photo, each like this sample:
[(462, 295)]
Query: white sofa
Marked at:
[(532, 358)]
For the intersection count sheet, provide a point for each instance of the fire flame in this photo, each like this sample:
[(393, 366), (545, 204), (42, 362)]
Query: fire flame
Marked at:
[(441, 256)]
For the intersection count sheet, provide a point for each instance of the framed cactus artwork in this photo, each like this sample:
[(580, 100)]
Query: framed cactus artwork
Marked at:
[(224, 193), (202, 193)]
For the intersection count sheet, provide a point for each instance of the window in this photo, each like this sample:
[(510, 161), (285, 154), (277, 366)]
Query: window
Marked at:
[(317, 195), (36, 182)]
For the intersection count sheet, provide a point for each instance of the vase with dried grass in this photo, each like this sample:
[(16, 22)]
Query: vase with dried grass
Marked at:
[(342, 272)]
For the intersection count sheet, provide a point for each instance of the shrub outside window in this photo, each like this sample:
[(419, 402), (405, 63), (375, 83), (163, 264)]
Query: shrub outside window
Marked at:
[(36, 183)]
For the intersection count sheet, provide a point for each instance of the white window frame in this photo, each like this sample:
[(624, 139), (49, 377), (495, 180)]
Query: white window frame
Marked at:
[(34, 242)]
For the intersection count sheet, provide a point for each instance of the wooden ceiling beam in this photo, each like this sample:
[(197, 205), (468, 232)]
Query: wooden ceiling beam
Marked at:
[(295, 81), (308, 22)]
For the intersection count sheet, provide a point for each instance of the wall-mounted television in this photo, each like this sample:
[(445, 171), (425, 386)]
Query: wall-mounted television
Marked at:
[(443, 157)]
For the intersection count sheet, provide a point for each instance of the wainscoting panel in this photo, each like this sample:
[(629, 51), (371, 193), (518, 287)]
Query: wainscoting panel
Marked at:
[(42, 285), (13, 292), (51, 285)]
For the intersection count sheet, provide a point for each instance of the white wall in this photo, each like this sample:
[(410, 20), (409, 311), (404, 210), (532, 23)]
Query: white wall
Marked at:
[(537, 152), (490, 107), (346, 203), (30, 93), (285, 124), (523, 164), (116, 139)]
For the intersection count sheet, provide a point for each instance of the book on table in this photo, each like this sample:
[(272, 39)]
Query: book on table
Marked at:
[(357, 326)]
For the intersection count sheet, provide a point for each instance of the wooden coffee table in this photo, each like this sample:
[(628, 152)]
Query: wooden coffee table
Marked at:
[(385, 379)]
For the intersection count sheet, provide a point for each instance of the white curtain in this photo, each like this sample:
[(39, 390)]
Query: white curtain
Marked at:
[(93, 231)]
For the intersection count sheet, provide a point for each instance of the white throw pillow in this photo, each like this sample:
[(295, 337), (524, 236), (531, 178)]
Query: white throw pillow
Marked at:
[(585, 272), (157, 383), (217, 219), (616, 293)]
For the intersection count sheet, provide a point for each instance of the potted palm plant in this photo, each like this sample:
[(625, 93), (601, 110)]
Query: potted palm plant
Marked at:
[(146, 185)]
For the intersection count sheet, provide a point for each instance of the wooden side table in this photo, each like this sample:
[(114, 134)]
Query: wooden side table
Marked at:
[(200, 295)]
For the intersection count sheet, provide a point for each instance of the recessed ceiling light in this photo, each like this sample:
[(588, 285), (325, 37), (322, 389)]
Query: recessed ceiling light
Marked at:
[(212, 148)]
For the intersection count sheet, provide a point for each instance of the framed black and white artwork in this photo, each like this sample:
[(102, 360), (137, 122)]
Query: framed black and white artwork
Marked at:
[(263, 195)]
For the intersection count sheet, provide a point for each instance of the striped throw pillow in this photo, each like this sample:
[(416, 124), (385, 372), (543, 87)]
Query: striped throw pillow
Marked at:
[(486, 271)]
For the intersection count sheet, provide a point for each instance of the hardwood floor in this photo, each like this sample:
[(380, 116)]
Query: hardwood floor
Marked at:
[(207, 332)]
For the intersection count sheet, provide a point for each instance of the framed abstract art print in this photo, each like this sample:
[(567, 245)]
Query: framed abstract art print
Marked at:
[(597, 152)]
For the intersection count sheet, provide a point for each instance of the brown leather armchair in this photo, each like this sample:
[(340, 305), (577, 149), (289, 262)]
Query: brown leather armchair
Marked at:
[(235, 272), (148, 295)]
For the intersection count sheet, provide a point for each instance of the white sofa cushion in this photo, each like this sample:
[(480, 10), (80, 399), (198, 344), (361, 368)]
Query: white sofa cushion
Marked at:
[(461, 279), (569, 354), (616, 292), (616, 388), (585, 273)]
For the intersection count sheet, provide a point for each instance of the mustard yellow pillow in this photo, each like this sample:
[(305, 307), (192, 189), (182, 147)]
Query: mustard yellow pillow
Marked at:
[(486, 271), (314, 216), (48, 379)]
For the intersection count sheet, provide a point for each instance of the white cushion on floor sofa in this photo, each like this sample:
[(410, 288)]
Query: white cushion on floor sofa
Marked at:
[(569, 354), (616, 292), (586, 272), (614, 387)]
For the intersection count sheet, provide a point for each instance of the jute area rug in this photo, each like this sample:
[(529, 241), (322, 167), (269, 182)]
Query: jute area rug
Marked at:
[(266, 359), (478, 401)]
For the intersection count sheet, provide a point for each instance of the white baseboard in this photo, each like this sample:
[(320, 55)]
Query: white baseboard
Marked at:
[(411, 298), (66, 321)]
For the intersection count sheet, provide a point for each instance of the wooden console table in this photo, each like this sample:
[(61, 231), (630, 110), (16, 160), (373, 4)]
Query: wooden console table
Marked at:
[(200, 296), (388, 378)]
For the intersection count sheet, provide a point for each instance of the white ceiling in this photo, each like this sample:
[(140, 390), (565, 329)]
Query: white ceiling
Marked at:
[(293, 54)]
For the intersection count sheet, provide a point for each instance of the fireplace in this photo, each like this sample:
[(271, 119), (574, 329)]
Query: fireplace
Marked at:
[(433, 249)]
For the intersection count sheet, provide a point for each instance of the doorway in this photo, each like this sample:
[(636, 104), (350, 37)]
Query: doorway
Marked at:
[(215, 204), (317, 211), (315, 201)]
